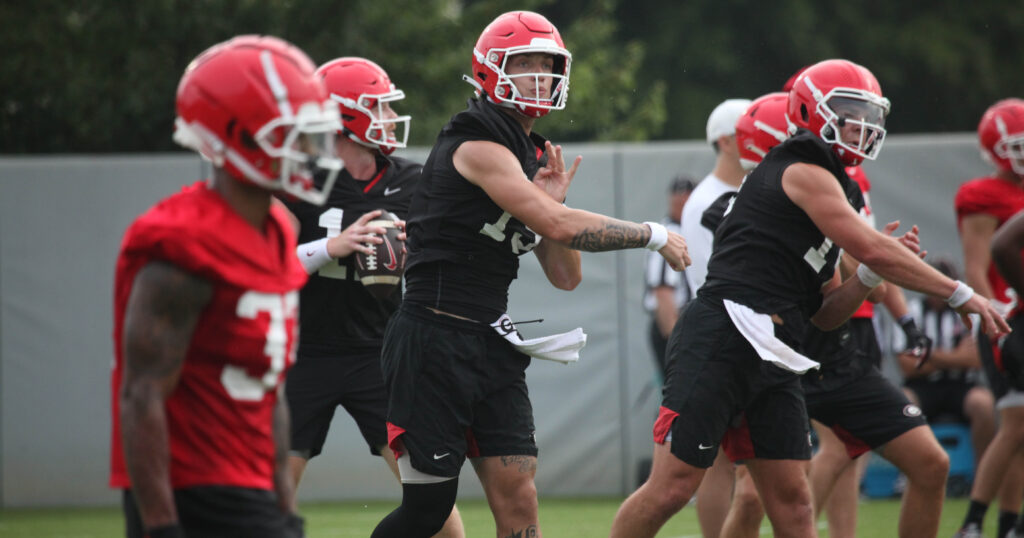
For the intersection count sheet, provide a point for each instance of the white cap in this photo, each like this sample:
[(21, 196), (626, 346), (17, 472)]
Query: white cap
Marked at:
[(722, 121)]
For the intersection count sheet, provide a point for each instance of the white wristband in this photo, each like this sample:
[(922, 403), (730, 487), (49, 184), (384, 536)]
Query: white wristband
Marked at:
[(659, 236), (868, 277), (313, 255), (961, 295)]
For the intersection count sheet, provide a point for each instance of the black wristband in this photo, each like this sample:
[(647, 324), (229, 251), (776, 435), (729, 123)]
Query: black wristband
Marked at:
[(908, 325), (174, 530)]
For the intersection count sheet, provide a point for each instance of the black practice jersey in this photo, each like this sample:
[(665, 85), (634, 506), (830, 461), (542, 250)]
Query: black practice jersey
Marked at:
[(463, 249), (836, 350), (768, 254), (335, 309)]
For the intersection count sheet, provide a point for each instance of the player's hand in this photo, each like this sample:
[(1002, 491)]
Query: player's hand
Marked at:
[(911, 239), (919, 346), (401, 226), (992, 322), (554, 178), (675, 252), (355, 237)]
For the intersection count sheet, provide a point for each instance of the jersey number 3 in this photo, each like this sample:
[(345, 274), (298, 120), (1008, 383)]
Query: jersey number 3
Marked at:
[(237, 381)]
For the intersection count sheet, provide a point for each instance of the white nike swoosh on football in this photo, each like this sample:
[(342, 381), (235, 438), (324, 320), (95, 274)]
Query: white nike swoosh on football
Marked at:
[(389, 191), (436, 457)]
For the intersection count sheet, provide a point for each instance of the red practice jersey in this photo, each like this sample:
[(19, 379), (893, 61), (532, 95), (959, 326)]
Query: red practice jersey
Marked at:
[(990, 196), (856, 173), (221, 412)]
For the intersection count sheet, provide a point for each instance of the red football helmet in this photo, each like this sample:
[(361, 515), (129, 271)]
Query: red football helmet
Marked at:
[(253, 106), (832, 94), (1001, 135), (763, 126), (362, 89), (520, 32)]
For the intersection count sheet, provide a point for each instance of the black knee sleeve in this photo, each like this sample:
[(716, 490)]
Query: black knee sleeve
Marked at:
[(424, 509)]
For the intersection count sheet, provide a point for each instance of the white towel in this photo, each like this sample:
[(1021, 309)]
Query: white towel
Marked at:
[(759, 330), (562, 347)]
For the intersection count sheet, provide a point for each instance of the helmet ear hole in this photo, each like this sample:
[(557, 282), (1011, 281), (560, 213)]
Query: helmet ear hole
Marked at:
[(247, 140), (803, 113)]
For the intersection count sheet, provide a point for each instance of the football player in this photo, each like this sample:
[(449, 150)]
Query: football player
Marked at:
[(982, 205), (342, 322), (456, 370), (206, 299), (772, 270), (847, 394)]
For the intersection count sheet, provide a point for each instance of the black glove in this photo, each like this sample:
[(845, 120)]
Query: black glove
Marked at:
[(918, 344), (173, 530)]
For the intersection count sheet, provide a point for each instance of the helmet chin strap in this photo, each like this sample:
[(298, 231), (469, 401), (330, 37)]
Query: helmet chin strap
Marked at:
[(478, 89)]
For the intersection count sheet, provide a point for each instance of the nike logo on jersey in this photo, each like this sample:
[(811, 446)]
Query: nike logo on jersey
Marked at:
[(310, 253), (437, 457), (389, 191), (702, 447)]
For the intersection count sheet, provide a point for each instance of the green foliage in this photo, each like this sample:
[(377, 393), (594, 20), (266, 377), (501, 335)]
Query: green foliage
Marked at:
[(100, 76)]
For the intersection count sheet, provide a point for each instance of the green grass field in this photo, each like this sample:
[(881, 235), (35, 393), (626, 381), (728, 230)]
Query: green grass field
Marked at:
[(560, 518)]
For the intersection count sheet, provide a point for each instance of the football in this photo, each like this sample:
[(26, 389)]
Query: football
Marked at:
[(382, 271)]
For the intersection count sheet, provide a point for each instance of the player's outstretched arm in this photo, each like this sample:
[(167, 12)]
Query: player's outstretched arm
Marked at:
[(816, 191), (160, 318), (495, 169)]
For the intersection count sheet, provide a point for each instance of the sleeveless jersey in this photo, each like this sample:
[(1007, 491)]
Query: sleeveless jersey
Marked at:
[(835, 350), (220, 414), (768, 254), (463, 248), (337, 311), (995, 197)]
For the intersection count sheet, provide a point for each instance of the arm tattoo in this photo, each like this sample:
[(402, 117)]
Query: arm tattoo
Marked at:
[(162, 312), (526, 464), (528, 532), (615, 235)]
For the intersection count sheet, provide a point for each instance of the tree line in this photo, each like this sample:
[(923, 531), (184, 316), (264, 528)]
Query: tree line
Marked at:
[(100, 76)]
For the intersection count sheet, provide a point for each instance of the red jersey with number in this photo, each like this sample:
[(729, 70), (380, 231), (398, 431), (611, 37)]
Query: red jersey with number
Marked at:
[(856, 173), (220, 414)]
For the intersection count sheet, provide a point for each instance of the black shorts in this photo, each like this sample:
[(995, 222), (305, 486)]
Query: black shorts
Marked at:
[(865, 413), (715, 376), (943, 397), (221, 512), (457, 389), (320, 382)]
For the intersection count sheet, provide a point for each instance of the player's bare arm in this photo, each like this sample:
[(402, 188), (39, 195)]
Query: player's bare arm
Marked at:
[(284, 485), (561, 263), (160, 318), (840, 299), (818, 194), (493, 168)]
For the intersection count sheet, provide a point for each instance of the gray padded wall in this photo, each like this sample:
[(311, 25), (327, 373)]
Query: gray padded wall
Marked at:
[(61, 221)]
